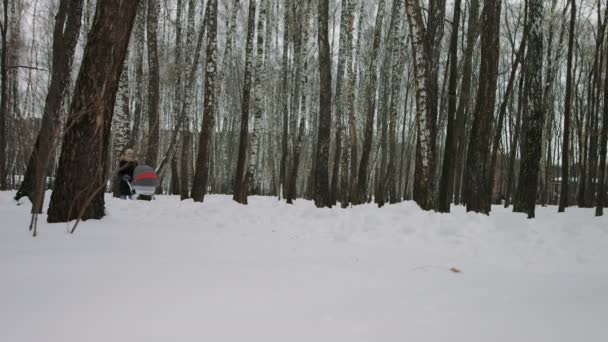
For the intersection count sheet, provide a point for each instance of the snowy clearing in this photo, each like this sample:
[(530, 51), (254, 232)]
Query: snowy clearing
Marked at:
[(177, 271)]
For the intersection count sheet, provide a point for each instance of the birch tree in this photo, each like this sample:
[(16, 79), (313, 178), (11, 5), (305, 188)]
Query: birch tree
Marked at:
[(199, 186)]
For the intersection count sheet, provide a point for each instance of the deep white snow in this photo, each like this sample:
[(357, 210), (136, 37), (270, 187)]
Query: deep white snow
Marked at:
[(178, 271)]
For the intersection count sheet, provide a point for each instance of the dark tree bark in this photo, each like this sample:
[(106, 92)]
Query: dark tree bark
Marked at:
[(447, 175), (601, 186), (478, 155), (153, 85), (199, 186), (291, 193), (242, 157), (464, 100), (3, 96), (321, 194), (525, 200), (65, 38), (83, 165), (342, 61), (185, 164), (564, 191)]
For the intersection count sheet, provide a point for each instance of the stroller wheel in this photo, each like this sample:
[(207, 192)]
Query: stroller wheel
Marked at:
[(145, 197)]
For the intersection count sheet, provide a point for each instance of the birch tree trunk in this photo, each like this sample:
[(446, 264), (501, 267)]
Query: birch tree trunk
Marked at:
[(423, 190), (121, 122), (199, 186), (140, 23), (248, 182)]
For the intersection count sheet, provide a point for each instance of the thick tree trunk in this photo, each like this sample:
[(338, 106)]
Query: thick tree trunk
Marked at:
[(65, 38), (425, 78), (477, 168), (525, 200), (199, 186), (240, 166), (321, 193), (82, 167)]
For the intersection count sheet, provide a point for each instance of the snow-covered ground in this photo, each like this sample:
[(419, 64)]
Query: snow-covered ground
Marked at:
[(178, 271)]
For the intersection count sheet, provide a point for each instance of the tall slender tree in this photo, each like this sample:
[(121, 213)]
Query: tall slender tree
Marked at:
[(248, 182), (446, 182), (564, 191), (199, 186), (601, 186), (3, 94), (242, 156), (153, 84)]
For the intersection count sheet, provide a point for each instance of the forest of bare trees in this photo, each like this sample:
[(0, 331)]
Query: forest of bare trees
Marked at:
[(344, 102)]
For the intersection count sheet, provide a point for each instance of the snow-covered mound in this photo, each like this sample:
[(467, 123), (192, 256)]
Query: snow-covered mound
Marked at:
[(178, 271)]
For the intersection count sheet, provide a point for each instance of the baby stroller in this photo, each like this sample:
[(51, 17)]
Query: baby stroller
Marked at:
[(144, 182)]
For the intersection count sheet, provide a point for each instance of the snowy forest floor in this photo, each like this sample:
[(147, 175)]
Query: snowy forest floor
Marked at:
[(178, 271)]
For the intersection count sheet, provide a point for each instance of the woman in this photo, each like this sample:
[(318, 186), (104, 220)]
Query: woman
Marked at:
[(125, 172)]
